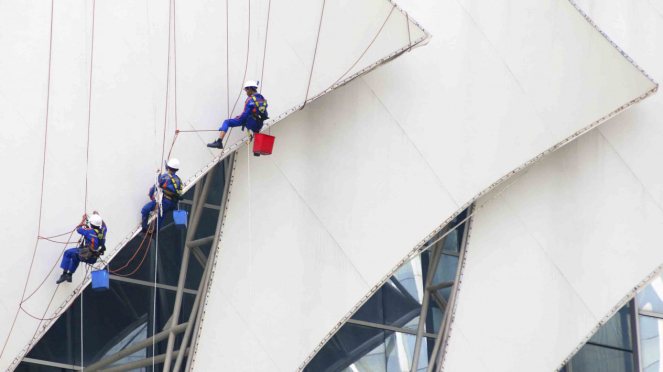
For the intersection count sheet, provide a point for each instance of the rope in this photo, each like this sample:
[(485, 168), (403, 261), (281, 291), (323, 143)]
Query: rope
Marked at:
[(366, 50), (175, 66), (264, 52), (165, 116), (248, 171), (246, 67), (156, 263), (89, 108), (315, 53), (82, 343), (43, 175), (48, 275), (150, 227)]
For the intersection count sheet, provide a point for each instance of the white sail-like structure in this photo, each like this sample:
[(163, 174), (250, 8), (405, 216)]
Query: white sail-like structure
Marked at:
[(93, 92), (392, 157), (573, 240)]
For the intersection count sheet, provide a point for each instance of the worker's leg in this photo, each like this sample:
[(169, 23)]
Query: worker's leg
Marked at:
[(70, 260), (227, 124), (145, 212)]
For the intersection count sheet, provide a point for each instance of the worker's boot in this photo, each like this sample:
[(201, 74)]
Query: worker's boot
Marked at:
[(63, 277), (256, 154), (218, 144), (68, 277)]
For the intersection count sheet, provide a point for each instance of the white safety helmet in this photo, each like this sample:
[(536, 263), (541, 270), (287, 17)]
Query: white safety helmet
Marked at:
[(251, 84), (96, 220), (173, 163)]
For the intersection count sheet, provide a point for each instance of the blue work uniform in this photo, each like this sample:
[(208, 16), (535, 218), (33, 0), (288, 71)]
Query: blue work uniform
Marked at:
[(172, 189), (70, 259), (249, 116)]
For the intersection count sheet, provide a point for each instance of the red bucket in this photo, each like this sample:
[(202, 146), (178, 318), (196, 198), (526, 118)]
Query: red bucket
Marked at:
[(263, 144)]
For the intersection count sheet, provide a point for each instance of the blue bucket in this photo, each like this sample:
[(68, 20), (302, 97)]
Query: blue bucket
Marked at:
[(100, 280), (179, 217)]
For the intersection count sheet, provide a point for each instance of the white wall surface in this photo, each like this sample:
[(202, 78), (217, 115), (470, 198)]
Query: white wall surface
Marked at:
[(594, 209), (128, 113), (386, 160), (556, 253)]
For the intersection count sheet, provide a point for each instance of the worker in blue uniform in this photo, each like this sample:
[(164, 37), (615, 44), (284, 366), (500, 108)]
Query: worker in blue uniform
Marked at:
[(92, 246), (171, 187), (252, 118)]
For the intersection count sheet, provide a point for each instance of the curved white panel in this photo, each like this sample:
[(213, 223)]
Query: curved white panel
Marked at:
[(559, 251), (389, 158), (128, 117)]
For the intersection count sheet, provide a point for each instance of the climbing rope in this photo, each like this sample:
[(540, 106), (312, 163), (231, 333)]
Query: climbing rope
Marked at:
[(365, 50), (264, 52), (43, 176), (248, 171), (315, 53), (89, 108)]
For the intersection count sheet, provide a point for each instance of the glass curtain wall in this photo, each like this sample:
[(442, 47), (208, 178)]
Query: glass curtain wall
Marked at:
[(381, 335), (127, 313)]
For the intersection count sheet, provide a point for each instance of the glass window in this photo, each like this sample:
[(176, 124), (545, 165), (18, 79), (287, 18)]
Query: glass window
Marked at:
[(616, 332), (650, 343), (592, 358), (364, 349), (651, 298), (114, 320)]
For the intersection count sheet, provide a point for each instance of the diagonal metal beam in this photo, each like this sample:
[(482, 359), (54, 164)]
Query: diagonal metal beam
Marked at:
[(229, 167), (143, 362), (185, 262), (432, 268), (134, 348), (443, 334)]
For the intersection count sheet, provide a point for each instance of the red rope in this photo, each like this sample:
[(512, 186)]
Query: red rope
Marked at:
[(138, 249), (42, 318), (115, 272), (175, 60), (315, 53), (165, 116), (89, 105), (264, 53), (56, 236), (246, 67), (367, 48), (49, 273), (43, 176), (227, 63)]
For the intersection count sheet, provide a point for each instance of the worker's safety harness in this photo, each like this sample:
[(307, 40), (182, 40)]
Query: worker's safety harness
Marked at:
[(87, 252), (259, 113), (173, 196)]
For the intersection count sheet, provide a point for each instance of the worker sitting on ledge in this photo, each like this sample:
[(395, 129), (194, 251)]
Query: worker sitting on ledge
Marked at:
[(93, 246), (253, 117), (171, 187)]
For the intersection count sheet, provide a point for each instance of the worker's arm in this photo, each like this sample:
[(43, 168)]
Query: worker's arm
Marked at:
[(248, 107)]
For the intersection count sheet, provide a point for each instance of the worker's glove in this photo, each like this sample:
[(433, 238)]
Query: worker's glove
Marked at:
[(102, 250)]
